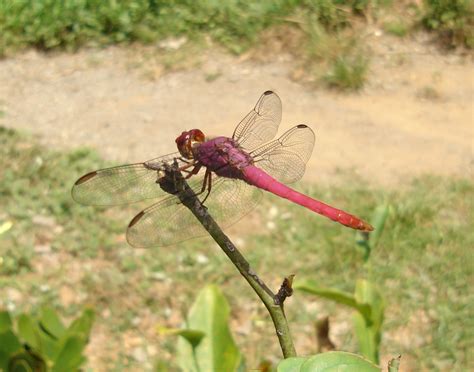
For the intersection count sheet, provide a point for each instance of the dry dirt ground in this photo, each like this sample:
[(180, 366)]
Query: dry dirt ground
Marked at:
[(414, 116)]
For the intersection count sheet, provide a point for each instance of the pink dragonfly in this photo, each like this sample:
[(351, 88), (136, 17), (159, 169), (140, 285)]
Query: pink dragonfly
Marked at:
[(228, 174)]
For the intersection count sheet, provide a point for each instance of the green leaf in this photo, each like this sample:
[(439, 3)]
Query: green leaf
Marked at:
[(338, 361), (217, 351), (291, 364), (366, 336), (28, 331), (369, 241), (370, 312), (193, 336), (49, 347), (5, 321), (336, 295), (51, 323), (379, 218), (70, 357), (368, 330), (3, 360), (366, 293), (82, 325), (9, 343)]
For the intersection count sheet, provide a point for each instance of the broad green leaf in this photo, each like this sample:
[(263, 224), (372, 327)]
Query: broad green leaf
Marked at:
[(193, 336), (5, 321), (28, 331), (48, 346), (338, 361), (9, 345), (336, 295), (3, 360), (82, 325), (70, 356), (217, 350), (51, 323), (291, 364)]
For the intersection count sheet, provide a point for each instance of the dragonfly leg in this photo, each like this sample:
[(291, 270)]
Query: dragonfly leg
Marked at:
[(208, 180), (184, 168), (187, 161), (193, 171)]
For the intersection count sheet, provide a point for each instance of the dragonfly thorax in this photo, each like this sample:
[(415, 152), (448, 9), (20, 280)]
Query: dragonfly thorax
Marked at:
[(187, 140), (223, 156)]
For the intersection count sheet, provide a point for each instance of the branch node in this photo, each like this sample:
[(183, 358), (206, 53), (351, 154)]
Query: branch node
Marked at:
[(285, 290), (229, 246)]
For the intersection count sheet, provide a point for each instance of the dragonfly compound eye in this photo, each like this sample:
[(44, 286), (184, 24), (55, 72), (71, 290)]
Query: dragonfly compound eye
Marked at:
[(187, 140), (196, 136)]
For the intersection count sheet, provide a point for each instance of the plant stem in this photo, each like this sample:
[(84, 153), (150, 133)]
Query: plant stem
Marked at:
[(174, 183)]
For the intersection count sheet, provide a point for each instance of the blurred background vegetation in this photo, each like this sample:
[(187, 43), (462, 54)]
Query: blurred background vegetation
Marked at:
[(54, 252), (328, 32)]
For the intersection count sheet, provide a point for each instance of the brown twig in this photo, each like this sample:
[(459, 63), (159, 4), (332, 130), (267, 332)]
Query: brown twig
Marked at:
[(174, 183)]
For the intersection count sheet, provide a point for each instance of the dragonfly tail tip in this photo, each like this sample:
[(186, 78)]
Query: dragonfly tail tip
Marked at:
[(368, 227)]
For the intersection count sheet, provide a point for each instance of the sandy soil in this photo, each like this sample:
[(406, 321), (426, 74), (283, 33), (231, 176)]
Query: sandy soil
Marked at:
[(415, 115)]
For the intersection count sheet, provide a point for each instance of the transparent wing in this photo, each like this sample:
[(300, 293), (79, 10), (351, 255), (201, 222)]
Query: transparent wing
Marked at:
[(168, 221), (261, 124), (285, 158), (124, 184)]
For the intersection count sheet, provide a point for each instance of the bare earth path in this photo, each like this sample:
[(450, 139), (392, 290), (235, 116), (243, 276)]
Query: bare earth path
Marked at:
[(415, 115)]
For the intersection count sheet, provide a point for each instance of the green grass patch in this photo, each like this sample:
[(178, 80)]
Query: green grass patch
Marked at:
[(348, 73), (49, 24), (329, 48), (35, 198), (452, 19), (234, 25), (397, 28), (421, 264)]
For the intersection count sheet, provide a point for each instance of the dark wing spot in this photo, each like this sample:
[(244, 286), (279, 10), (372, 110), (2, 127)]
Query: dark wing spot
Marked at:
[(86, 177), (268, 92), (136, 219), (301, 126)]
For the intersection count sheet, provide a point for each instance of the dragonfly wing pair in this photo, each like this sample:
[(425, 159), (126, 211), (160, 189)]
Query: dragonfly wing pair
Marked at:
[(168, 222), (284, 158)]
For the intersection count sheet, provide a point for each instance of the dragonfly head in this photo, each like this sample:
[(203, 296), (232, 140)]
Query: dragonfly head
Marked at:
[(187, 140)]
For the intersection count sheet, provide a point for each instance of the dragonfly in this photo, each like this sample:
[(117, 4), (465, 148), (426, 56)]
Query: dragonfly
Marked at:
[(227, 174)]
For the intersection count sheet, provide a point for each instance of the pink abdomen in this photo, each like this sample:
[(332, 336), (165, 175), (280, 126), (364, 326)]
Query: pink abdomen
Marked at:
[(259, 178)]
